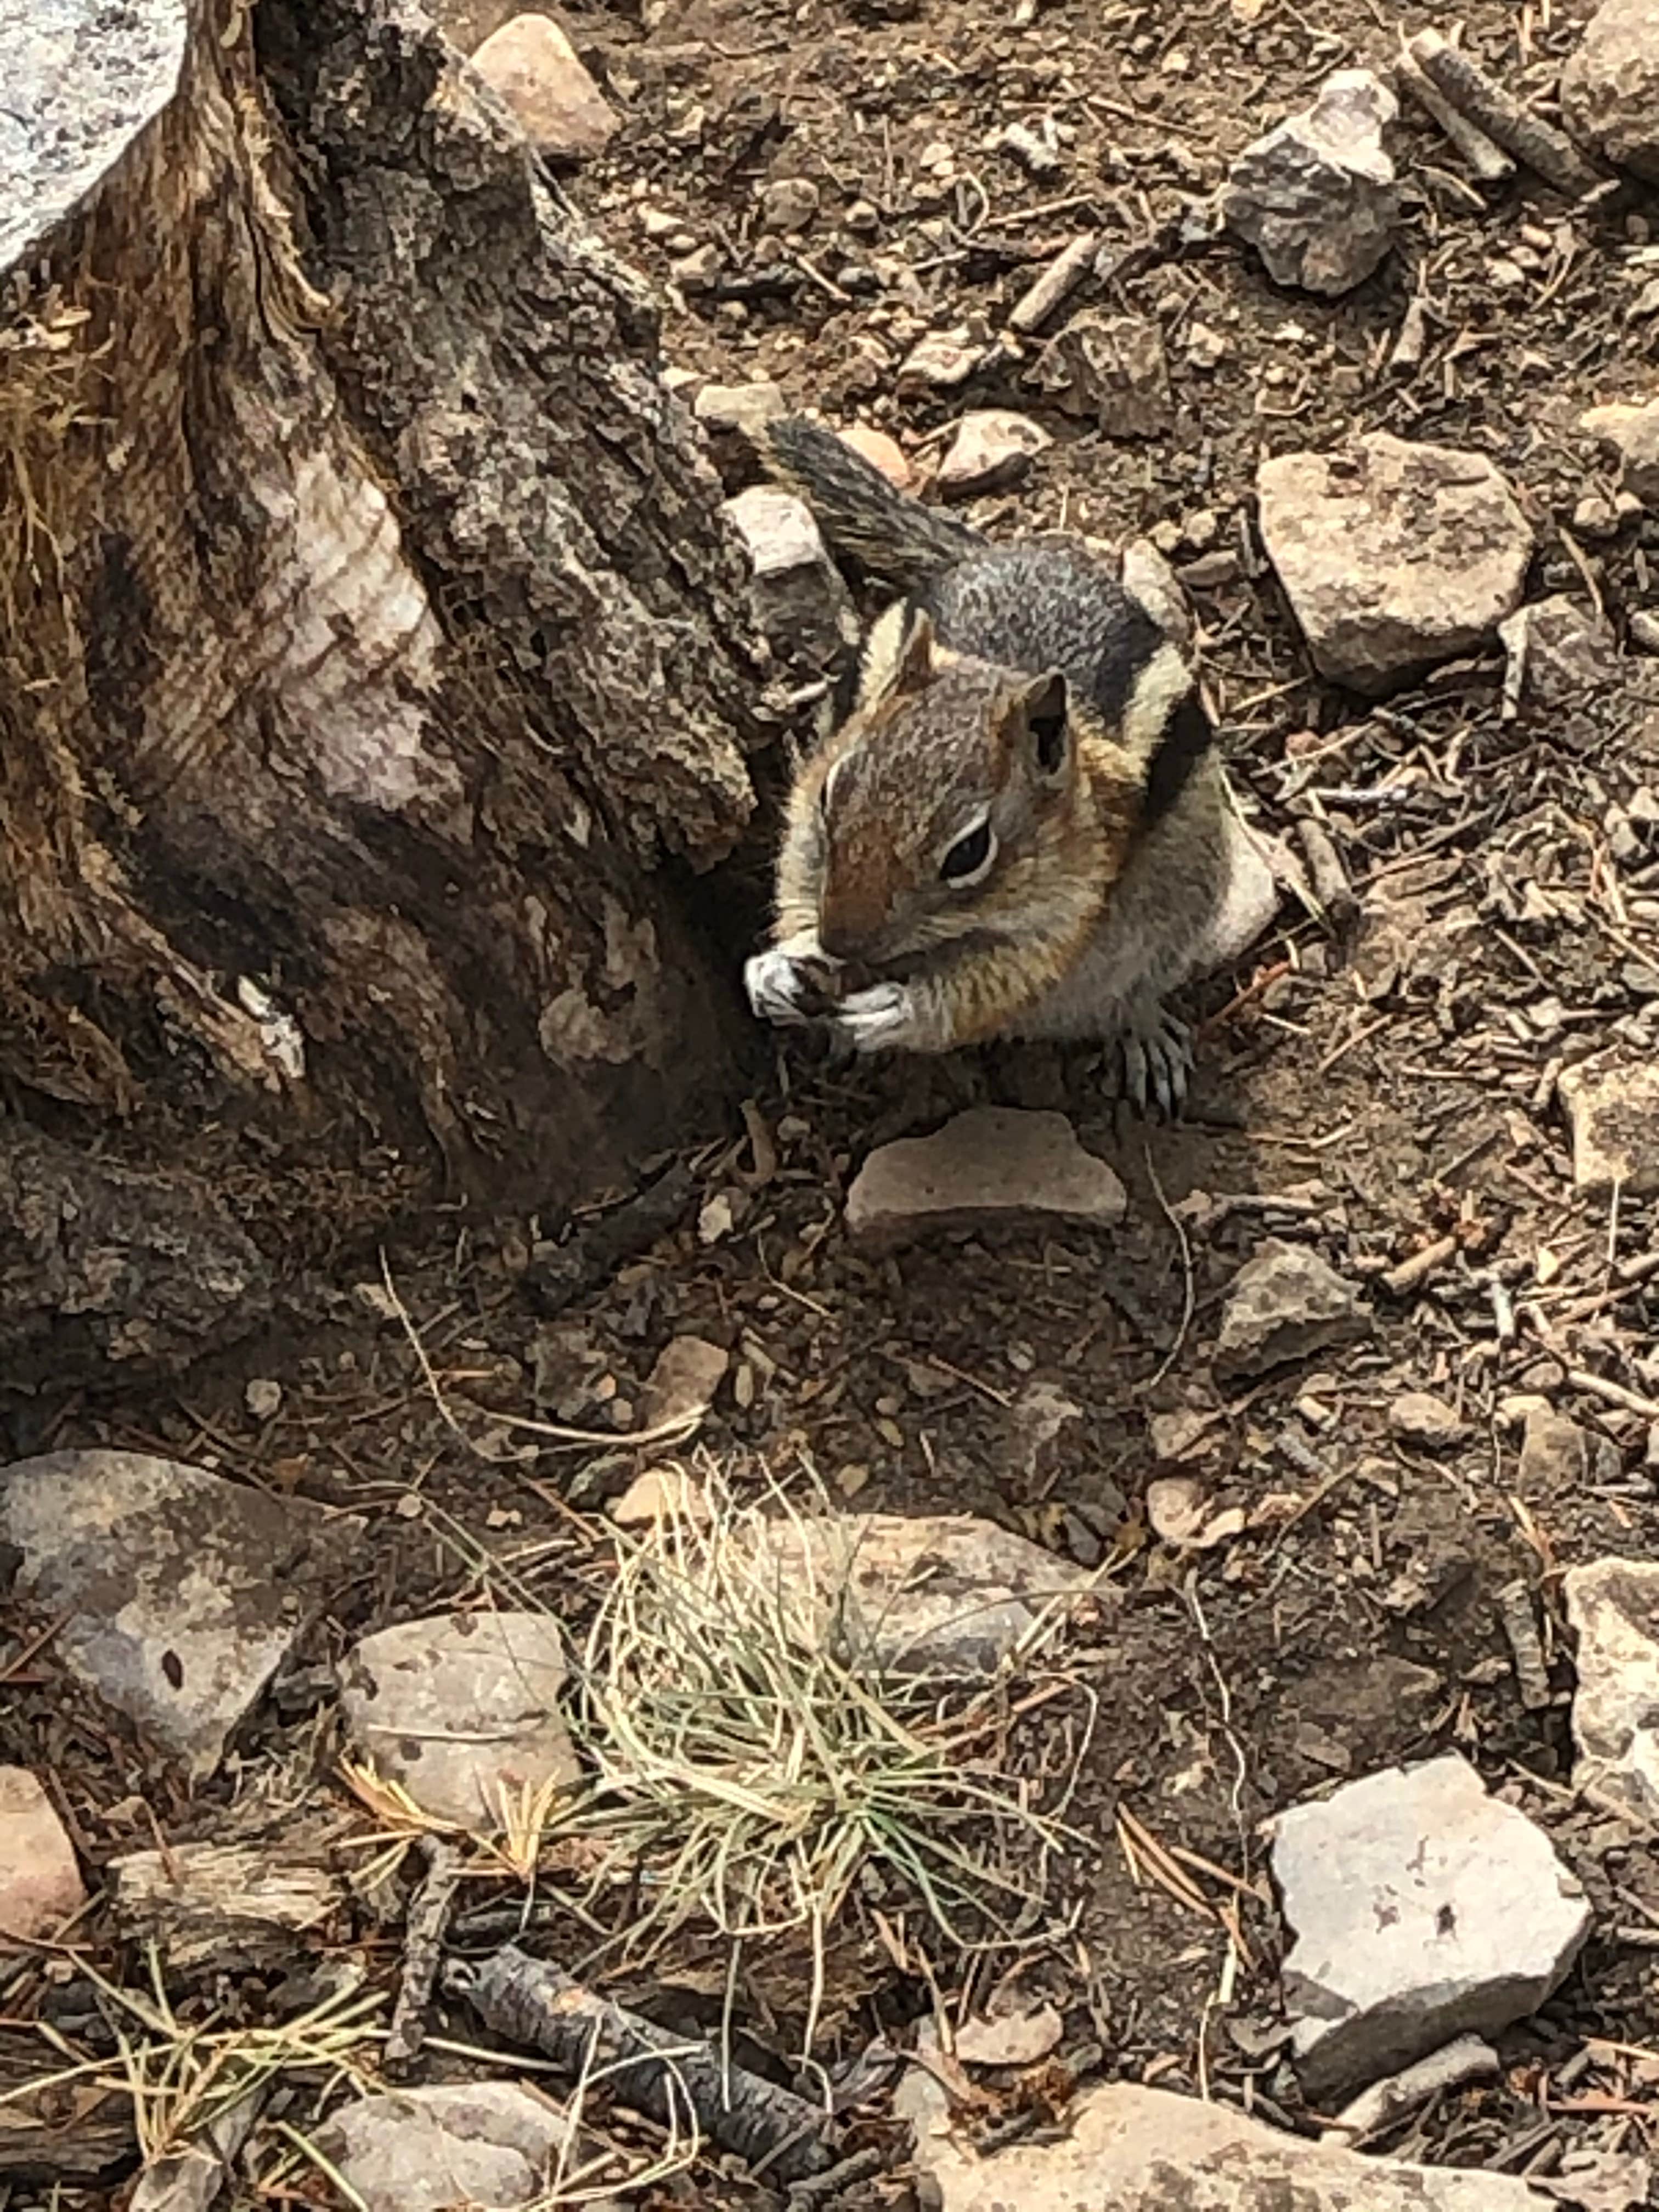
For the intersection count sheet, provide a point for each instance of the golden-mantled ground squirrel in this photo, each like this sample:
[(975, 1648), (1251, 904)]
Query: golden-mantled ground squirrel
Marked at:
[(1022, 828)]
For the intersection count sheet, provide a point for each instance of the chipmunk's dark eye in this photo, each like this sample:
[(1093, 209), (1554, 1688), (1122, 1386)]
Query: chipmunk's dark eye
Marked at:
[(967, 861)]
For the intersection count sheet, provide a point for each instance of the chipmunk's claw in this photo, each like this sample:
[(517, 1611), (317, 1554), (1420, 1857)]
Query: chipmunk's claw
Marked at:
[(880, 1019), (778, 984), (1157, 1060)]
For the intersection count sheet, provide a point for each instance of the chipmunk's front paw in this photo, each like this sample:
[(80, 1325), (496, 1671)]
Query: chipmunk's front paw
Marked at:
[(884, 1018), (781, 987), (1157, 1060)]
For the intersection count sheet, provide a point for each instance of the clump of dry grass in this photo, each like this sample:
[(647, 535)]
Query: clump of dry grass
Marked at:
[(749, 1756)]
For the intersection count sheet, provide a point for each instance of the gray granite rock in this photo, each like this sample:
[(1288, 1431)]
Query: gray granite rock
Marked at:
[(1127, 2149), (1317, 197), (462, 1710), (1284, 1303), (1613, 1607), (181, 1593), (1393, 555), (1610, 85), (1423, 1910)]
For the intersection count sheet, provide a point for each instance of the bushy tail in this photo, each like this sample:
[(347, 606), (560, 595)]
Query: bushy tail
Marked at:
[(895, 538)]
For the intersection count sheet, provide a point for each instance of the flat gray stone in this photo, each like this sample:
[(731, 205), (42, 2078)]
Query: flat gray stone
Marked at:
[(463, 2143), (1417, 1417), (992, 1167), (1560, 655), (1630, 430), (1284, 1303), (1423, 1910), (40, 1879), (1317, 197), (800, 601), (944, 1593), (460, 1708), (1393, 555), (1614, 1117), (182, 1593), (688, 1371), (744, 407), (1613, 1607), (1610, 85), (1131, 2149)]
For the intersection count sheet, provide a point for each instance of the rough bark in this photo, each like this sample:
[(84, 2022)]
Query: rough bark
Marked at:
[(374, 675)]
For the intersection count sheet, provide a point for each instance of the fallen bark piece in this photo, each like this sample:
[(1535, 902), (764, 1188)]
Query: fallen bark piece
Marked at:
[(423, 1941), (1467, 2059), (1614, 1605), (1133, 2149), (1423, 1910), (658, 2073), (72, 2131), (558, 1274), (1549, 153), (226, 1905)]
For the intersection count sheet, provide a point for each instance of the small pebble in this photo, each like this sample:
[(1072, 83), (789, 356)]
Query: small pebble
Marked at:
[(1594, 518), (263, 1398)]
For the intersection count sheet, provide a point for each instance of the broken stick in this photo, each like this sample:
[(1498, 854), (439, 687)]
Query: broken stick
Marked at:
[(1464, 85), (1483, 155), (668, 2076)]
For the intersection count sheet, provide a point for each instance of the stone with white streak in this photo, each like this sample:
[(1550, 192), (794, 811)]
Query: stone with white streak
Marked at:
[(1394, 554), (994, 449), (1423, 1909), (1317, 197), (1613, 1607)]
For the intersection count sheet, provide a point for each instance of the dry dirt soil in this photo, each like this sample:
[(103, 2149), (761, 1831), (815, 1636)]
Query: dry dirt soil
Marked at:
[(1372, 1090)]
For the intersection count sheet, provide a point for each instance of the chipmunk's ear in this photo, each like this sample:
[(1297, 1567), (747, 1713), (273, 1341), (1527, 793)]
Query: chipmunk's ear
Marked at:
[(1038, 717), (913, 670)]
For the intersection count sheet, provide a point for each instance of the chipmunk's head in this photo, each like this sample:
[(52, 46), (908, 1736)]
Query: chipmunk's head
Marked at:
[(950, 805)]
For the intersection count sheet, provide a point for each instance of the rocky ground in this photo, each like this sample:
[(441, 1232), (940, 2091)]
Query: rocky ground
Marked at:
[(1325, 1419)]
